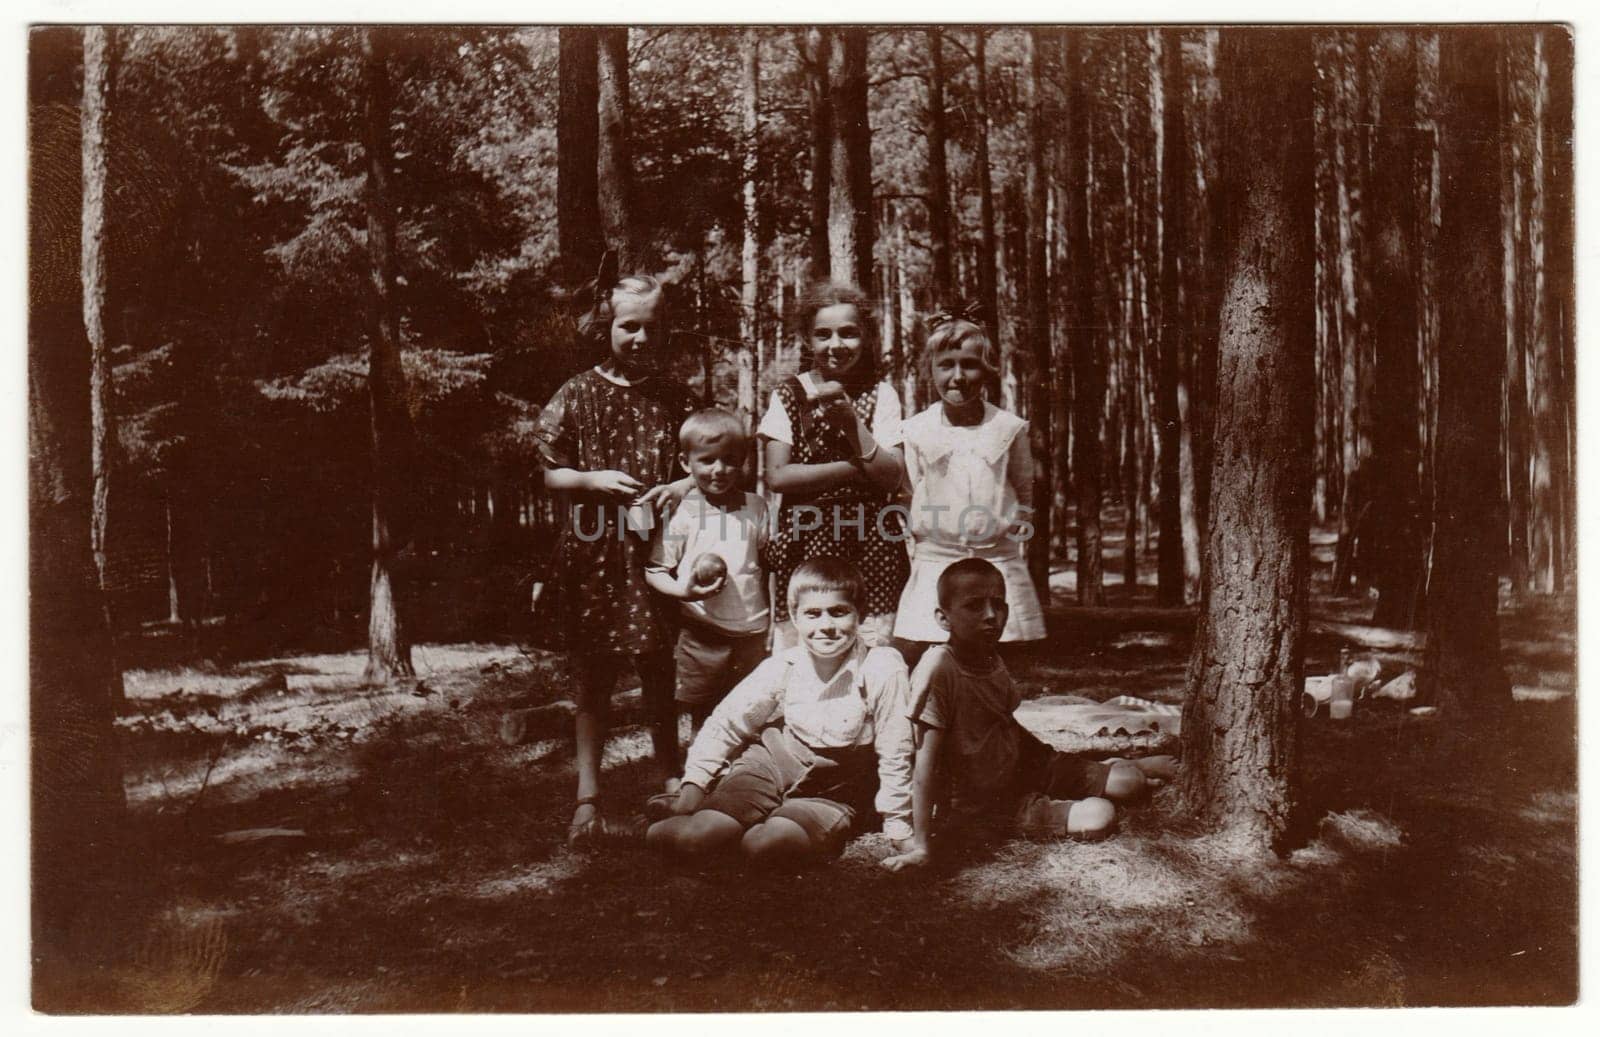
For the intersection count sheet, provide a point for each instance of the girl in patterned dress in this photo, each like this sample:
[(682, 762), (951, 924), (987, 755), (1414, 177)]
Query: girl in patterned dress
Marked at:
[(971, 475), (832, 436), (609, 443)]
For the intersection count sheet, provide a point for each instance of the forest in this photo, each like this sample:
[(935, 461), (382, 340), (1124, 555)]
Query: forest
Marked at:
[(1289, 313)]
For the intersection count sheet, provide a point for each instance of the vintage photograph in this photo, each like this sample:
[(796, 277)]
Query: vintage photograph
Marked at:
[(792, 518)]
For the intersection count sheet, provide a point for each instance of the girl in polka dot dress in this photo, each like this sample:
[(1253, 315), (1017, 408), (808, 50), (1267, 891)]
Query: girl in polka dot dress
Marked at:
[(832, 439), (609, 443)]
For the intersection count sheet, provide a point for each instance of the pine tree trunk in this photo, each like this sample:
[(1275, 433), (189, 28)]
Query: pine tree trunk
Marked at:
[(1545, 375), (817, 52), (1557, 53), (1396, 515), (1038, 330), (1170, 219), (76, 783), (1515, 400), (1462, 664), (388, 646), (938, 174), (577, 155), (988, 277), (1088, 371), (850, 213), (1240, 732), (615, 152), (98, 72), (750, 293)]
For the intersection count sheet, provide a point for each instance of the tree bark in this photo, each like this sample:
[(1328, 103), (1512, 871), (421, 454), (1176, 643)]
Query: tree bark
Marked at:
[(1545, 377), (988, 276), (98, 72), (1038, 330), (1557, 53), (577, 155), (1240, 732), (850, 212), (76, 784), (1174, 146), (1514, 431), (938, 174), (1462, 665), (750, 283), (1088, 370), (817, 54), (388, 644), (615, 156), (1395, 501)]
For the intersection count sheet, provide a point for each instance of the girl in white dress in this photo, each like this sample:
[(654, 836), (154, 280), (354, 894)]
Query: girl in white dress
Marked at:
[(971, 475)]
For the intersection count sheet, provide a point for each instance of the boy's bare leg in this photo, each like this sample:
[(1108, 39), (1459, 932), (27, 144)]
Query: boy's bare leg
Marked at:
[(1130, 779), (702, 832), (778, 841), (1091, 818)]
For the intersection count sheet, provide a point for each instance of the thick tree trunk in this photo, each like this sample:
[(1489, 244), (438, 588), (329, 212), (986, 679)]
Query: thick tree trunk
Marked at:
[(938, 174), (615, 161), (1545, 381), (76, 786), (1088, 371), (1170, 220), (1462, 665), (1038, 330), (850, 212), (98, 72), (577, 155), (1395, 525), (1557, 52), (750, 271), (817, 52), (388, 646), (1241, 739), (988, 277)]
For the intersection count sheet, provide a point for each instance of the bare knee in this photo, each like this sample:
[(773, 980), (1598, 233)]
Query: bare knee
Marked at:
[(1091, 818), (776, 841), (697, 833), (1125, 781)]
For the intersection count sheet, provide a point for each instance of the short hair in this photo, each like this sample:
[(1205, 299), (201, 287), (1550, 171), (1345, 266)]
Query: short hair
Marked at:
[(595, 324), (829, 575), (962, 568), (818, 296), (957, 332), (709, 426)]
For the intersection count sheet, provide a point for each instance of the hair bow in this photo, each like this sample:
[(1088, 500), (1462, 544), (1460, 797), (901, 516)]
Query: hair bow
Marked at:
[(970, 311)]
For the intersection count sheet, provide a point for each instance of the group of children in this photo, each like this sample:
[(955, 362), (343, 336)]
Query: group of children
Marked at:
[(797, 742)]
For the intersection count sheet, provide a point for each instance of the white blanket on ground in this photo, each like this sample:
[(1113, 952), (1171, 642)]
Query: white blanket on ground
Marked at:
[(1123, 716)]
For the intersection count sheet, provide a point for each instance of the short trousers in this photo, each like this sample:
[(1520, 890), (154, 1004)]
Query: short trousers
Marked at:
[(780, 776), (1056, 774), (710, 662)]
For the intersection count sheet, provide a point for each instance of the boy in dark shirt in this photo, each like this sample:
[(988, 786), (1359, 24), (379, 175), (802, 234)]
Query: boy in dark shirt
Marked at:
[(964, 701)]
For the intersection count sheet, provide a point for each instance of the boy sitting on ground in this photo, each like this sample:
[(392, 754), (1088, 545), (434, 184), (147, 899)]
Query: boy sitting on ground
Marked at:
[(707, 558), (807, 732), (964, 701)]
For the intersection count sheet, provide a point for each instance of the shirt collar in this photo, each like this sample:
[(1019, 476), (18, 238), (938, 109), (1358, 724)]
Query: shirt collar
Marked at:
[(799, 659)]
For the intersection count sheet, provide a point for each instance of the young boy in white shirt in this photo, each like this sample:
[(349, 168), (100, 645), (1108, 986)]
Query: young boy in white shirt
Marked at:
[(802, 739), (707, 558)]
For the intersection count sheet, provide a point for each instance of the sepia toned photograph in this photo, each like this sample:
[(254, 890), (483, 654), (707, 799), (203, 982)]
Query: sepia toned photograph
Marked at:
[(800, 518)]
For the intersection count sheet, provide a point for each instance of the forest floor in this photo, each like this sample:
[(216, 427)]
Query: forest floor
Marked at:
[(419, 862)]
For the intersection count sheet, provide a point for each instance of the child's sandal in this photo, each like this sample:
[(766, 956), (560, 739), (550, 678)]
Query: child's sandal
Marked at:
[(584, 834)]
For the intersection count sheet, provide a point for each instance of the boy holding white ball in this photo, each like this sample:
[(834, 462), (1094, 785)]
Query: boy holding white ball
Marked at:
[(707, 558)]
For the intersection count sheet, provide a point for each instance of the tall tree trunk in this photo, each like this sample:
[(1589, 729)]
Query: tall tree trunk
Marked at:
[(1088, 371), (99, 57), (577, 155), (1555, 425), (615, 154), (1038, 330), (76, 785), (1545, 381), (850, 213), (750, 294), (938, 173), (1241, 738), (1171, 221), (1514, 431), (1395, 501), (1462, 664), (388, 644), (988, 277), (817, 52)]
